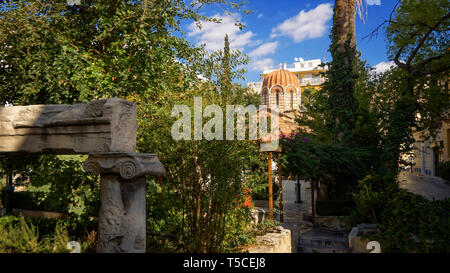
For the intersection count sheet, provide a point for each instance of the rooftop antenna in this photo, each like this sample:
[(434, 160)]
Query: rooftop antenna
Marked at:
[(308, 55), (324, 59)]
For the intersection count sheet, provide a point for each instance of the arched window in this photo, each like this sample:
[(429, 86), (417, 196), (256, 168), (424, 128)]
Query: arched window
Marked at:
[(292, 100), (278, 97)]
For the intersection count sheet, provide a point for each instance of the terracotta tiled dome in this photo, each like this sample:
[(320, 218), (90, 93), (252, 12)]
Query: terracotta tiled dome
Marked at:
[(281, 77)]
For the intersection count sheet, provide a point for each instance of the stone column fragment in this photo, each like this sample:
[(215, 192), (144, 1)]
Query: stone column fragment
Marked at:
[(122, 213)]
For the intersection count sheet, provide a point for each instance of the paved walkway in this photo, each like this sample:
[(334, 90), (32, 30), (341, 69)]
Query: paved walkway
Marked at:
[(293, 212), (302, 231), (430, 187)]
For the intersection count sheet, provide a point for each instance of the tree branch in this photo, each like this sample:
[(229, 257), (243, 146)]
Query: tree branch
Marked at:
[(425, 62), (397, 61), (434, 71), (424, 38), (385, 21)]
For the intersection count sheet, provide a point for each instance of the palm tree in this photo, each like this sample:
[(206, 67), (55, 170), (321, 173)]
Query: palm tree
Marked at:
[(344, 23), (343, 50)]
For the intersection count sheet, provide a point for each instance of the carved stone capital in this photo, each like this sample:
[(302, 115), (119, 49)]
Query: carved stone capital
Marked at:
[(127, 165)]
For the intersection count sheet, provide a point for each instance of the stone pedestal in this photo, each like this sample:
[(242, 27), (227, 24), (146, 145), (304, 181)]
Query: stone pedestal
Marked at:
[(122, 213)]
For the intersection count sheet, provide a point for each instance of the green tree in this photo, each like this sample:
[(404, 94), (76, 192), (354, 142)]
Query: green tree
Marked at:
[(52, 52), (338, 91), (225, 81), (418, 43)]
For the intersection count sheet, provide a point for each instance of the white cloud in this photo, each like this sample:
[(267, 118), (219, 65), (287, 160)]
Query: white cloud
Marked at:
[(305, 25), (260, 65), (373, 2), (260, 16), (383, 66), (213, 34), (264, 49)]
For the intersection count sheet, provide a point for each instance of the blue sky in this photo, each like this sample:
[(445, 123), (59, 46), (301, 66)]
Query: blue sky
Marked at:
[(279, 31)]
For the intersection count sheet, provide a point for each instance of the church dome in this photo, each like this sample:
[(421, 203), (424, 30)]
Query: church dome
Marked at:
[(281, 77)]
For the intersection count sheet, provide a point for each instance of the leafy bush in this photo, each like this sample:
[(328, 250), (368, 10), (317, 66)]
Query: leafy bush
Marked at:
[(372, 197), (34, 235), (340, 167), (262, 193), (58, 184), (407, 222), (326, 207), (2, 191), (19, 236), (444, 170), (411, 223)]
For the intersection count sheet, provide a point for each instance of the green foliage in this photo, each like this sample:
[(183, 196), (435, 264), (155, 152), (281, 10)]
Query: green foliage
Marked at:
[(334, 164), (261, 191), (201, 197), (334, 207), (19, 236), (418, 37), (336, 103), (377, 113), (308, 95), (2, 191), (410, 223), (225, 79), (239, 234), (134, 50), (67, 54), (33, 235), (444, 170), (418, 43), (406, 222), (372, 197), (59, 184)]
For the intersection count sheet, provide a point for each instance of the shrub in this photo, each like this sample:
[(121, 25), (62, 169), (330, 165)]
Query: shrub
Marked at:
[(16, 236), (326, 207), (33, 235), (2, 190), (411, 223), (262, 193), (407, 222), (57, 184), (19, 236), (444, 170), (337, 165)]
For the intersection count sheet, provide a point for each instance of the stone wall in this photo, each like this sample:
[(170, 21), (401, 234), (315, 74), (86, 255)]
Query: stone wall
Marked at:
[(278, 241)]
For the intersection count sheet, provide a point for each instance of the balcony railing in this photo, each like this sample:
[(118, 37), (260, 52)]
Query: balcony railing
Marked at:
[(305, 82)]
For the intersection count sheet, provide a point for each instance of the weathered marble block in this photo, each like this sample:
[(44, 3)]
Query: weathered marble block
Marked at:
[(95, 127), (106, 130)]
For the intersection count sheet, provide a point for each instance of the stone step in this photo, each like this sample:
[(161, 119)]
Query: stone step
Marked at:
[(323, 241), (316, 249)]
